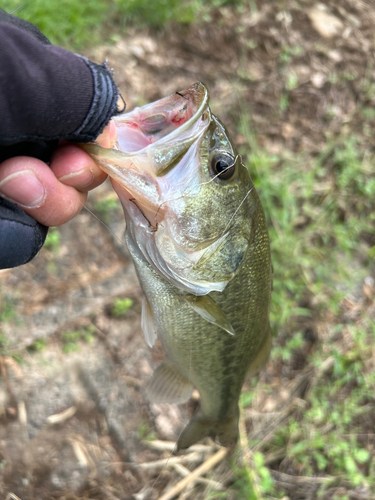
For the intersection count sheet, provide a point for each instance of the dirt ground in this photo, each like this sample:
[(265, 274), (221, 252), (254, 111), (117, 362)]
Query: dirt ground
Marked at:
[(73, 413)]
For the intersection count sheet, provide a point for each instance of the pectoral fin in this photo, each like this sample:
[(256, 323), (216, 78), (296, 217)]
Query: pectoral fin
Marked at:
[(168, 385), (148, 323), (206, 307)]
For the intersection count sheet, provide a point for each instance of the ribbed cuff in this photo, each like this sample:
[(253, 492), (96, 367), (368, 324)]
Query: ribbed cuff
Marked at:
[(103, 106)]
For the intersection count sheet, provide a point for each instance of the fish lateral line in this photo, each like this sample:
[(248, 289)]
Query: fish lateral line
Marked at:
[(153, 228)]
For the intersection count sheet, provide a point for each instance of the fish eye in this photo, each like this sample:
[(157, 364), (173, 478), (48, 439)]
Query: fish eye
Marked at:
[(223, 166)]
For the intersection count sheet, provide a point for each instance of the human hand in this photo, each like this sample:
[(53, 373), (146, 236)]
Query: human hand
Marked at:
[(54, 194)]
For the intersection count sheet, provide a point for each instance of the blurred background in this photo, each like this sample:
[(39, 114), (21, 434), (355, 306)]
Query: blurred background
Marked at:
[(294, 82)]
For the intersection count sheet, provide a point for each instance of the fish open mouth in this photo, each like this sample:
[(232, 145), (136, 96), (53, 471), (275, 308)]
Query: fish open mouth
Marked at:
[(154, 122), (151, 141)]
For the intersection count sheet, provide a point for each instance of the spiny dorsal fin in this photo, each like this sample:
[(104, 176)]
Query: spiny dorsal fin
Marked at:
[(206, 307), (168, 385)]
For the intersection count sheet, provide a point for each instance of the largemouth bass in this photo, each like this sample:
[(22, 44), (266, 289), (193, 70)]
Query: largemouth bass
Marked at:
[(197, 234)]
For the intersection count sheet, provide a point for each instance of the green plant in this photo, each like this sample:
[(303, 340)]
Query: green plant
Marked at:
[(53, 240), (288, 53), (144, 432), (286, 352), (121, 306), (7, 310), (66, 23), (4, 343), (76, 24), (38, 345), (71, 338), (254, 480), (318, 208), (106, 206), (315, 226)]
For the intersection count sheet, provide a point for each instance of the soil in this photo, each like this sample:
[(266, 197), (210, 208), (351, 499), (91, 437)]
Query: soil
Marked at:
[(252, 62)]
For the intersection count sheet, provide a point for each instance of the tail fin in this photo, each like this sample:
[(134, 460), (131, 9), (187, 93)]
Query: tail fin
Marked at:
[(226, 431)]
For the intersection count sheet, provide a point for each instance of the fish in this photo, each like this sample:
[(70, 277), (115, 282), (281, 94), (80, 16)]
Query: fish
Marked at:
[(197, 234)]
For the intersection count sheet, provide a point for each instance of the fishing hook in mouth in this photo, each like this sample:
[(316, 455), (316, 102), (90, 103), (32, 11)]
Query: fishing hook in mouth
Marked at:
[(151, 226), (181, 95)]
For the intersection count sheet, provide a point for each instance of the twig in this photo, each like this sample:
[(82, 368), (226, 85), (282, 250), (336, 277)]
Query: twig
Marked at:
[(202, 469), (22, 413), (12, 496), (170, 446), (3, 373), (185, 472), (57, 418), (164, 462), (300, 479)]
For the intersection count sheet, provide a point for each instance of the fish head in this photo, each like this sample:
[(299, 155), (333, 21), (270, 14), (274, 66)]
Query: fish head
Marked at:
[(187, 196)]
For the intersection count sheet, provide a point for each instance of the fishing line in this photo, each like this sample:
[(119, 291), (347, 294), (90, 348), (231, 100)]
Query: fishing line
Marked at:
[(103, 223), (239, 206), (174, 450), (20, 7), (187, 194)]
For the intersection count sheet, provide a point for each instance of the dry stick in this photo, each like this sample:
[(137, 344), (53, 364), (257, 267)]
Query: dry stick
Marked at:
[(164, 462), (202, 469), (300, 479), (4, 374), (178, 467), (171, 445), (12, 496)]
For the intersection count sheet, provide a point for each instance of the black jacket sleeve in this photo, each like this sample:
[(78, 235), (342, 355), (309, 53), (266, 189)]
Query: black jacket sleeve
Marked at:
[(46, 94)]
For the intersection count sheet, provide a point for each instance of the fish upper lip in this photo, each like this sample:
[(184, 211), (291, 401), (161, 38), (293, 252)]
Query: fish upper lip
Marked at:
[(199, 88)]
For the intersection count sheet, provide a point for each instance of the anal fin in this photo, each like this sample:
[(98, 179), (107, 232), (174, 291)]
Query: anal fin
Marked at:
[(168, 385)]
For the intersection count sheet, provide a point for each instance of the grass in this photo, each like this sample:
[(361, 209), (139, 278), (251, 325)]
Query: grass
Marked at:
[(75, 25), (319, 209), (72, 339), (107, 206), (53, 240)]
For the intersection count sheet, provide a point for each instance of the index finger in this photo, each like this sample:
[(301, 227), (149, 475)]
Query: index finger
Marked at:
[(73, 167)]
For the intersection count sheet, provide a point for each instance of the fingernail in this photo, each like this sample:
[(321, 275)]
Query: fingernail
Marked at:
[(79, 179), (23, 188)]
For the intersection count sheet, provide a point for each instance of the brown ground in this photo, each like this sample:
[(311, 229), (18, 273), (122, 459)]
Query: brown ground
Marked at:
[(249, 61)]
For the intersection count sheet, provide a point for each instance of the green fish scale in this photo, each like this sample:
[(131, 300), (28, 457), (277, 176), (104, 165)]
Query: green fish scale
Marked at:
[(214, 361)]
